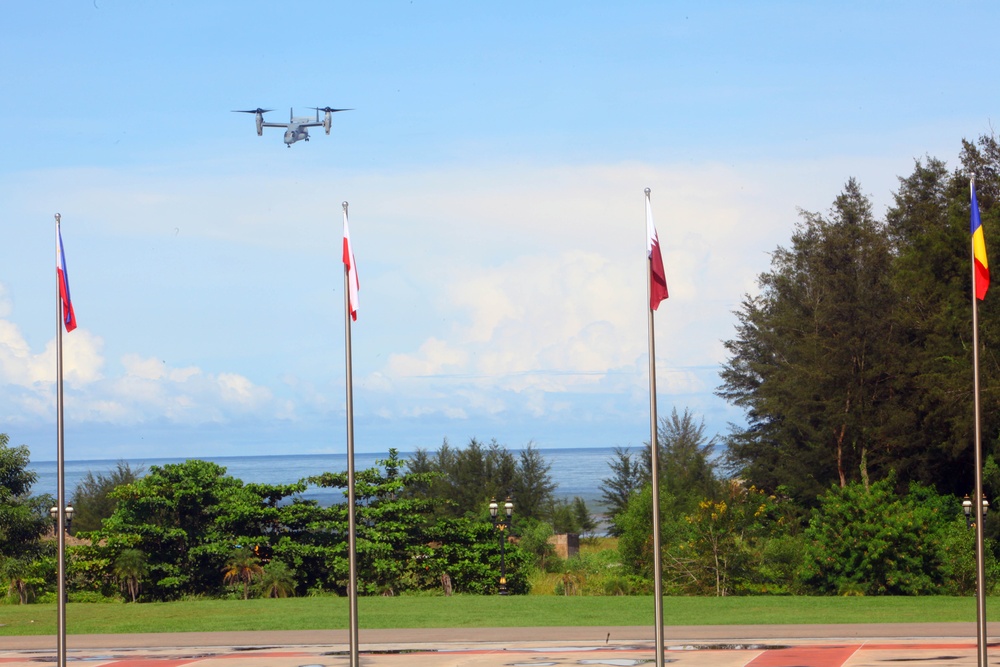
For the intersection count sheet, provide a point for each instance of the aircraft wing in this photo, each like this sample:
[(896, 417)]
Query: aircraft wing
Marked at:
[(274, 125), (311, 124)]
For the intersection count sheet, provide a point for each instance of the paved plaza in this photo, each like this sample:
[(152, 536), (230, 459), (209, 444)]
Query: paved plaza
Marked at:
[(888, 645)]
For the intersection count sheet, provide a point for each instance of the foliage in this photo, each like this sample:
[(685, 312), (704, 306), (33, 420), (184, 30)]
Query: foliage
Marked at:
[(534, 540), (625, 481), (814, 354), (23, 518), (464, 480), (276, 580), (187, 518), (468, 550), (723, 543), (532, 485), (874, 541), (570, 516), (685, 467), (92, 500), (854, 359), (242, 569), (130, 569)]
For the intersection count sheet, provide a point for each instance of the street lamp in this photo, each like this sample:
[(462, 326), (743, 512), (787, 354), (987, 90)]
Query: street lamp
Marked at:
[(967, 508), (54, 513), (502, 524)]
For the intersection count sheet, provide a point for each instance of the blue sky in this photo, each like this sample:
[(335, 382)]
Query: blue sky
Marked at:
[(494, 163)]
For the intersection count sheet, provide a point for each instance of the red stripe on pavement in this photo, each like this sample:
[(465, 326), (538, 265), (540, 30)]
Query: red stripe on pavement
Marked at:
[(805, 656)]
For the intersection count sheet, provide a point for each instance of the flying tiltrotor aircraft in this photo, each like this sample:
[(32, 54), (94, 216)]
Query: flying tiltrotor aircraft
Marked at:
[(295, 128)]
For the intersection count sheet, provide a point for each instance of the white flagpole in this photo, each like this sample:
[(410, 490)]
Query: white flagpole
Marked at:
[(352, 590), (654, 467), (977, 505), (60, 476)]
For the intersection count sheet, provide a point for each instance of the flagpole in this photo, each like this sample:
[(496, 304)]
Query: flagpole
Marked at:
[(654, 468), (60, 477), (352, 591), (977, 505)]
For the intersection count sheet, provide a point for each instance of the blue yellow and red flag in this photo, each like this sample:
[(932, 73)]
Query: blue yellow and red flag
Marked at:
[(982, 267)]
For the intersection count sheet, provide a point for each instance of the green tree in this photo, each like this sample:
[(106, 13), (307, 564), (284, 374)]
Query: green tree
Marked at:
[(92, 500), (23, 518), (130, 569), (685, 464), (187, 518), (814, 356), (464, 480), (532, 486), (276, 580), (391, 531), (242, 569), (17, 572), (570, 516), (625, 481), (877, 542), (467, 549), (929, 225), (720, 549)]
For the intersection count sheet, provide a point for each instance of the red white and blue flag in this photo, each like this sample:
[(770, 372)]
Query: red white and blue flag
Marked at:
[(69, 317)]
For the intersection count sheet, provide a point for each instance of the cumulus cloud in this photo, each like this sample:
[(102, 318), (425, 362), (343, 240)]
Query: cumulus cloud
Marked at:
[(146, 390), (530, 280)]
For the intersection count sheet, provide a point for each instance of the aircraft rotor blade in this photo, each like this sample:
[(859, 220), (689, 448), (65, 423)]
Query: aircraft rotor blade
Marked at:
[(329, 110), (257, 110)]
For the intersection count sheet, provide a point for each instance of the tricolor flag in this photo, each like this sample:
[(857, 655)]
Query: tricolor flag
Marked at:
[(352, 271), (982, 267), (69, 317), (657, 277)]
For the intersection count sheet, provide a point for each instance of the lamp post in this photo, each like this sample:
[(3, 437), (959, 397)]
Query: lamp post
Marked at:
[(970, 520), (54, 513), (502, 524)]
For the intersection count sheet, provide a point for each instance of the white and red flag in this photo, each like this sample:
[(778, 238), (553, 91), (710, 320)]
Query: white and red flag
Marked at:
[(352, 272), (69, 317), (657, 276)]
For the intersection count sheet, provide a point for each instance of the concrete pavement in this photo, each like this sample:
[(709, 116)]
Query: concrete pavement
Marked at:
[(856, 645)]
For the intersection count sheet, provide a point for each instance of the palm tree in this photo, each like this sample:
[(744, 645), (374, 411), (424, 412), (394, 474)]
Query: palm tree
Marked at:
[(242, 568), (276, 580), (129, 569)]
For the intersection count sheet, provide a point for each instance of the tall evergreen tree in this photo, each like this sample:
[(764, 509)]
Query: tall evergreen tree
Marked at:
[(92, 500), (813, 356), (625, 481)]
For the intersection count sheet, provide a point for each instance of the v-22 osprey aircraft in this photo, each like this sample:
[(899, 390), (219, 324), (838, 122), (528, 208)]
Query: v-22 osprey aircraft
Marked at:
[(295, 128)]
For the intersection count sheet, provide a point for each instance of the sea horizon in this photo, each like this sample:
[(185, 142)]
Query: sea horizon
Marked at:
[(576, 471)]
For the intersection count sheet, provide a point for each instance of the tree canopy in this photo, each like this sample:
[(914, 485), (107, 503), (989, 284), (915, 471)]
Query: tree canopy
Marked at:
[(854, 358)]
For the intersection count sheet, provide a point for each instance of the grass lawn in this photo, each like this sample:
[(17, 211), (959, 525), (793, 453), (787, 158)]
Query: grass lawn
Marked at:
[(475, 611)]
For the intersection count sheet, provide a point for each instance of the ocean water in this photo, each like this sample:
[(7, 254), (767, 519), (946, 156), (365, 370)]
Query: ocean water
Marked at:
[(576, 472)]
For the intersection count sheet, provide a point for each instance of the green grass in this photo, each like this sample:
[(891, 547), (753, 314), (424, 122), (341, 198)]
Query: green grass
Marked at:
[(473, 611)]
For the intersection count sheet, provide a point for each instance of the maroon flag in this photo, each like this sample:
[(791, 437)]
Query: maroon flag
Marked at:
[(657, 277)]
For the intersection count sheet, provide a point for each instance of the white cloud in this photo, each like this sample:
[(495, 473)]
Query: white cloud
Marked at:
[(531, 280), (147, 390)]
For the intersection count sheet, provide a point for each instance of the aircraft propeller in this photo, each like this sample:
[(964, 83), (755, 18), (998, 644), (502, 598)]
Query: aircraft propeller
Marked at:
[(326, 120), (329, 110)]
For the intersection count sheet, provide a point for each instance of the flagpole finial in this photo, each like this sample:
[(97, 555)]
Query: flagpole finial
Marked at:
[(647, 191), (345, 206), (58, 218)]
